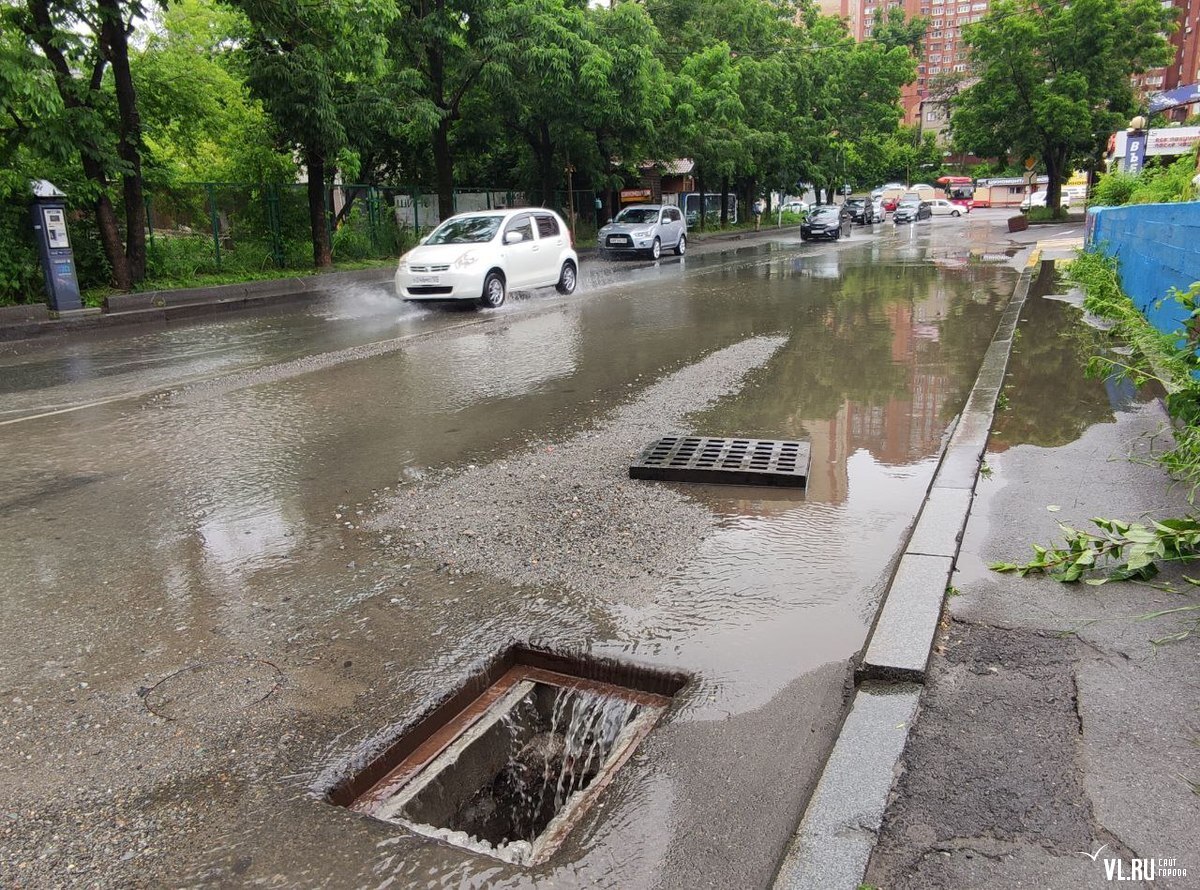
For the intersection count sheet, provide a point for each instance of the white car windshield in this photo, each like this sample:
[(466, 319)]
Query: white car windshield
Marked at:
[(466, 230), (637, 215)]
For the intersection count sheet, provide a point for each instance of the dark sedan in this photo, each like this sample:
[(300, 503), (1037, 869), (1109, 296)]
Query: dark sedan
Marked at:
[(826, 222), (862, 210), (911, 211)]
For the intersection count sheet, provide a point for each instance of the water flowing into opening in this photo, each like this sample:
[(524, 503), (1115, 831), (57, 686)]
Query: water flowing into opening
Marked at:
[(557, 741), (509, 771)]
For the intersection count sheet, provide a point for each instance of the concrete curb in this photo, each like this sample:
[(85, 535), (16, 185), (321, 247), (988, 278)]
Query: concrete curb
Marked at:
[(832, 845), (161, 307), (834, 841)]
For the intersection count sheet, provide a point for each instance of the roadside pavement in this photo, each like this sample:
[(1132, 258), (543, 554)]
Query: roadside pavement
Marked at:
[(1056, 745)]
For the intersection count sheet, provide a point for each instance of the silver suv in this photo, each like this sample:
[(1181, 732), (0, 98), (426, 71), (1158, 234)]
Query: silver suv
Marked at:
[(644, 228)]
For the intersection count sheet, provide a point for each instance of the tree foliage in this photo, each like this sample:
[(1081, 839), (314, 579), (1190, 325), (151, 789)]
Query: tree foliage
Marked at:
[(1054, 79)]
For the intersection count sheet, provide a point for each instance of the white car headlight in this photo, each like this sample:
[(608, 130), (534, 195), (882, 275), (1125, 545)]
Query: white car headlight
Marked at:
[(645, 233), (466, 259)]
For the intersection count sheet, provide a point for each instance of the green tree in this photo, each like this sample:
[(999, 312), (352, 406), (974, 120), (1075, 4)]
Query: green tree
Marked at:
[(199, 121), (441, 52), (1054, 79), (318, 70), (84, 46)]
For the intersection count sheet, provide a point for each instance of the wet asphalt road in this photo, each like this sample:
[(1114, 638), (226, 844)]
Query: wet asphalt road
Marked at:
[(325, 519)]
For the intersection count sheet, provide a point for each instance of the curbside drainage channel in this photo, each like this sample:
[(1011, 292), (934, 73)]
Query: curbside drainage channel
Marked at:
[(832, 845)]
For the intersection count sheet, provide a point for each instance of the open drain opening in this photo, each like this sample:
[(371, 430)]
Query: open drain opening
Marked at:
[(510, 774)]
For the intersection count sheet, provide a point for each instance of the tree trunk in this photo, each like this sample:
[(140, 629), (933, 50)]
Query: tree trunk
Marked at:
[(546, 162), (443, 162), (110, 238), (724, 201), (700, 189), (1056, 165), (114, 39), (315, 162)]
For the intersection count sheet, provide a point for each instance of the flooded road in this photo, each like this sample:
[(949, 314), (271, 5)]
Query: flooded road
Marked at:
[(327, 519)]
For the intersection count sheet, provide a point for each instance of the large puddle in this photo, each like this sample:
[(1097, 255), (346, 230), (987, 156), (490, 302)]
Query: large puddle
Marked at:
[(371, 521)]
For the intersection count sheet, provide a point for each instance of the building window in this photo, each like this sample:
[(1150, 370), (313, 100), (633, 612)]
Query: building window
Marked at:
[(959, 69)]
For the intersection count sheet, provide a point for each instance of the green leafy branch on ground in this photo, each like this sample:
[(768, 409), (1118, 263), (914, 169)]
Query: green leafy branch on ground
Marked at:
[(1121, 551)]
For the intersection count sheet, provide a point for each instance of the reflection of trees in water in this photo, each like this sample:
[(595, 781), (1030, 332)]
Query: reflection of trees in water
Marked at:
[(1050, 399), (870, 339)]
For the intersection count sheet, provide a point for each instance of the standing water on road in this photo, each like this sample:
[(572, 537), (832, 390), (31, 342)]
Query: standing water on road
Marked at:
[(371, 507)]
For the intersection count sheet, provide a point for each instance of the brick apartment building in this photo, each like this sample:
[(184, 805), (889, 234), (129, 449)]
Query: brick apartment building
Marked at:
[(1185, 68)]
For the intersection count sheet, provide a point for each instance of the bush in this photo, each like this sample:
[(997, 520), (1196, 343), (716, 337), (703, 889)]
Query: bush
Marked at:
[(1154, 185), (1113, 190)]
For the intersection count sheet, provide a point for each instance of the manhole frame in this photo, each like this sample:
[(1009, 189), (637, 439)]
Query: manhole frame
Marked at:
[(725, 460), (416, 750)]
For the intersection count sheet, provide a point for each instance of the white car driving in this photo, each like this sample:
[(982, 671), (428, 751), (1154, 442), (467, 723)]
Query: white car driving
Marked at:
[(481, 256)]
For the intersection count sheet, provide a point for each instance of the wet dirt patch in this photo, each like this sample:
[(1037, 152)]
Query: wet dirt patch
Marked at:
[(213, 690), (567, 514)]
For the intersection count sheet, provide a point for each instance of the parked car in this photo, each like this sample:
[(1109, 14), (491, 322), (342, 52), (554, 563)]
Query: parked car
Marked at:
[(1038, 199), (481, 256), (878, 210), (795, 207), (946, 207), (826, 222), (909, 210), (644, 228), (860, 210)]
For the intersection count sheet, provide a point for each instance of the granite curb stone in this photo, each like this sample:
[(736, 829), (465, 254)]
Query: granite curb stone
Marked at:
[(830, 849)]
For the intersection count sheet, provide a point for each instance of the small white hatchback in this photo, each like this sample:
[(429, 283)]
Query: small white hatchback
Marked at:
[(481, 256)]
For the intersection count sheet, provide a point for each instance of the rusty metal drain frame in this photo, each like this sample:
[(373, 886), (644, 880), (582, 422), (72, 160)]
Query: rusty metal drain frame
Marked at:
[(729, 461), (426, 745)]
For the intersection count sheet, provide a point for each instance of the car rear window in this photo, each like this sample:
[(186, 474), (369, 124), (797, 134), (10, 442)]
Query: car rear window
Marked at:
[(547, 226)]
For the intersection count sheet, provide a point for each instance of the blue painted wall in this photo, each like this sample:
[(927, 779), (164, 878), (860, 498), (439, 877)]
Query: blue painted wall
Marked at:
[(1158, 246)]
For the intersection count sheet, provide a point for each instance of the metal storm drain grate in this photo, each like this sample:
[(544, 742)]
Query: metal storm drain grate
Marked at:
[(507, 771), (729, 461)]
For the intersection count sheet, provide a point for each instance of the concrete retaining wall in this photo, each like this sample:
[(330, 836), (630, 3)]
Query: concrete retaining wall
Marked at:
[(1158, 246)]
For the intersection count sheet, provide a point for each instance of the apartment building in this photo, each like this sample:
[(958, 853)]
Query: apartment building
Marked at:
[(1185, 67)]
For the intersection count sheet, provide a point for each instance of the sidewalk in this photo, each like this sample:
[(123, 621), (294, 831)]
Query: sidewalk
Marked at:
[(1032, 744)]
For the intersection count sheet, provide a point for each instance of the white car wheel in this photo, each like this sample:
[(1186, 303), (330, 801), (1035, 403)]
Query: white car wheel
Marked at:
[(566, 279), (656, 249), (681, 246), (955, 213), (493, 291)]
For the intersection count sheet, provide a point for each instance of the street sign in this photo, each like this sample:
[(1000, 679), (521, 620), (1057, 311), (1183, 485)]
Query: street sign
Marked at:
[(1030, 162)]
